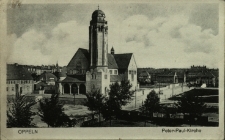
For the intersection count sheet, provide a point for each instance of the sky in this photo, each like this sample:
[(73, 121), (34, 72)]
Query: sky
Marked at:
[(160, 35)]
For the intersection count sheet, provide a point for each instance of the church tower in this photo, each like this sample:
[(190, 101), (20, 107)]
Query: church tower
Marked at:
[(98, 41)]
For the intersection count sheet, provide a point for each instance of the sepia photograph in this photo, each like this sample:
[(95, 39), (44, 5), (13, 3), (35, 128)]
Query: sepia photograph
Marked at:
[(111, 70)]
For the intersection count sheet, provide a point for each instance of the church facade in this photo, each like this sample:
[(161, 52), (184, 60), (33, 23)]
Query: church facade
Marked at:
[(96, 68)]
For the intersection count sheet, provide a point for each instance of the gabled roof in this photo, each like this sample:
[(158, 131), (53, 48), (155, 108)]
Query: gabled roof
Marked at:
[(112, 62), (17, 72), (123, 60), (72, 80), (84, 51), (46, 76), (144, 74)]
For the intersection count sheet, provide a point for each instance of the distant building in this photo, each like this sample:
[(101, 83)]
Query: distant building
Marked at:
[(202, 75), (19, 80), (195, 75), (144, 78), (43, 68), (46, 83), (172, 77)]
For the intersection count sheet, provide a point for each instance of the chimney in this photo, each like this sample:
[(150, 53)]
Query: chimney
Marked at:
[(112, 51)]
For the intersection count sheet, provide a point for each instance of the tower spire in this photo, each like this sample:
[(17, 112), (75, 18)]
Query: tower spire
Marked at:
[(112, 50)]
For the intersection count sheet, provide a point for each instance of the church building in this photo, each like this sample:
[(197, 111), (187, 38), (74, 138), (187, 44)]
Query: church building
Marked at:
[(96, 68)]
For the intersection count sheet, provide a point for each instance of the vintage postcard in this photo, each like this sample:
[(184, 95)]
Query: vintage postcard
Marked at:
[(112, 69)]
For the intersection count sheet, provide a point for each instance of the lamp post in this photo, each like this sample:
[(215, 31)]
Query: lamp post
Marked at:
[(74, 97)]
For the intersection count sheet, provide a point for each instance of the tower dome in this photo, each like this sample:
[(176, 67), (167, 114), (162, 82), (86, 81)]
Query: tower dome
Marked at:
[(98, 13)]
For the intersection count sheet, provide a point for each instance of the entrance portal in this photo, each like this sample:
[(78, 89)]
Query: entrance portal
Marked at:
[(66, 88), (82, 89), (74, 89)]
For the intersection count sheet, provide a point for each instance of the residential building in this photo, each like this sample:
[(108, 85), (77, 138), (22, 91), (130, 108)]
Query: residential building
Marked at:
[(19, 80)]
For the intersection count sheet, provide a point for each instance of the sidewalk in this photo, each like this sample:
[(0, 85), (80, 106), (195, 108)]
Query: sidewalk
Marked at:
[(60, 96)]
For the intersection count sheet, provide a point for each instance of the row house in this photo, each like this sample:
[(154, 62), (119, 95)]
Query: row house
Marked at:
[(19, 80)]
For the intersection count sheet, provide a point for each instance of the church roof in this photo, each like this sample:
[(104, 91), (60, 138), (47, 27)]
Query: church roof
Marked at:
[(71, 80), (116, 78), (123, 60), (115, 61), (17, 72), (112, 62), (85, 52)]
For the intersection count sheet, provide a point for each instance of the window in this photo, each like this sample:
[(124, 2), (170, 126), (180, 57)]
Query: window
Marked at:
[(74, 71), (115, 71), (129, 71), (105, 76), (7, 88), (110, 71), (12, 88)]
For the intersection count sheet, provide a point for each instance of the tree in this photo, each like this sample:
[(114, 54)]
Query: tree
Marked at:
[(119, 95), (19, 113), (51, 112), (191, 104), (96, 102), (151, 104)]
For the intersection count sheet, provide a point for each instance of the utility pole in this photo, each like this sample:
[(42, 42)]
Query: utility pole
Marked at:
[(135, 96), (182, 87), (159, 89), (172, 89)]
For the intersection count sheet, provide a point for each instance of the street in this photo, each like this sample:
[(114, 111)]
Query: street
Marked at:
[(167, 93)]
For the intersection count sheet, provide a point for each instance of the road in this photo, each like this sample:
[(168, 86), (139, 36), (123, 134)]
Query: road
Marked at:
[(167, 93)]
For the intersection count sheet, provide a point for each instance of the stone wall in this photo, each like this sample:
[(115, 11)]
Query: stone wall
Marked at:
[(97, 80)]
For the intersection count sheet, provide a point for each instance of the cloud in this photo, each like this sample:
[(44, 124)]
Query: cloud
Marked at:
[(36, 48), (163, 41), (166, 41)]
